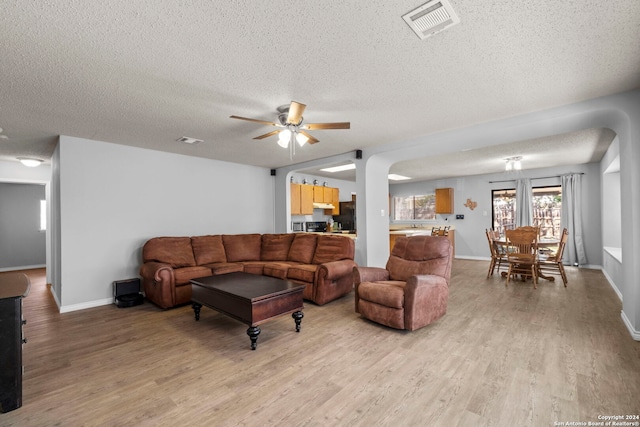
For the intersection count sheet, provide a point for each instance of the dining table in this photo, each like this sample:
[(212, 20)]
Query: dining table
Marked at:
[(544, 246)]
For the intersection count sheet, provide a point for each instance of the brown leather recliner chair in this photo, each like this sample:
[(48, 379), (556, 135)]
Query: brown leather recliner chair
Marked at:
[(413, 290)]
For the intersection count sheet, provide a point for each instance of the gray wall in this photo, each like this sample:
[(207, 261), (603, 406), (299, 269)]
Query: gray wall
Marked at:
[(104, 211), (471, 241), (22, 244)]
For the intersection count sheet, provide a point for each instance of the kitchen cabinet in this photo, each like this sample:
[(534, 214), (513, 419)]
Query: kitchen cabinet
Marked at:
[(301, 199), (318, 194), (444, 200), (295, 199), (332, 195)]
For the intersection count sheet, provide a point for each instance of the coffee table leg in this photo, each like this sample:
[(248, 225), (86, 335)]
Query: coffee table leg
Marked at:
[(297, 316), (196, 309), (253, 333)]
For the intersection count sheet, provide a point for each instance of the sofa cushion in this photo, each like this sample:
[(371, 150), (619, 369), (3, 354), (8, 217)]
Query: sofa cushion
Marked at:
[(184, 274), (242, 247), (333, 248), (275, 247), (277, 269), (175, 251), (419, 255), (208, 249), (302, 272), (302, 248), (224, 267), (253, 267)]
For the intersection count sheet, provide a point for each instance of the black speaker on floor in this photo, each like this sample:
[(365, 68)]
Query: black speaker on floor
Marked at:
[(126, 293)]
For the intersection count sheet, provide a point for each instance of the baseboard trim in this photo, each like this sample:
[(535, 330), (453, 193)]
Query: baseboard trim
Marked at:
[(85, 305), (612, 284), (634, 334), (22, 267)]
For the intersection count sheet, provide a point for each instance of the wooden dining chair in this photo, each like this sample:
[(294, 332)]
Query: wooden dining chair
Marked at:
[(522, 246), (445, 230), (553, 263), (498, 256), (435, 231)]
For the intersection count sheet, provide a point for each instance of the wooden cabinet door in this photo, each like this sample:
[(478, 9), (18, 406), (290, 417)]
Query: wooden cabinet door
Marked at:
[(306, 199), (318, 194), (335, 201), (296, 199), (444, 200)]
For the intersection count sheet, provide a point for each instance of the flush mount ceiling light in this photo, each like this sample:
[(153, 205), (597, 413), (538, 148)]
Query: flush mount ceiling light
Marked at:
[(513, 163), (189, 140), (32, 163), (332, 169), (396, 177)]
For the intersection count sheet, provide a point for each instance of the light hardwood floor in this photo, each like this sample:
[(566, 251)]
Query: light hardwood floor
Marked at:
[(500, 357)]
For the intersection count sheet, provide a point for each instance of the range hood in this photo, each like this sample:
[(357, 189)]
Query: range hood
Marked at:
[(323, 206)]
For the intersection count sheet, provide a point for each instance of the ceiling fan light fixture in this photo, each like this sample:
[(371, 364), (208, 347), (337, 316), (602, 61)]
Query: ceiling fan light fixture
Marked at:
[(284, 138), (302, 139)]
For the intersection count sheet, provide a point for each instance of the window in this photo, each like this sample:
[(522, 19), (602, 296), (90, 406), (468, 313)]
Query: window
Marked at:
[(504, 209), (414, 207), (547, 206), (43, 215)]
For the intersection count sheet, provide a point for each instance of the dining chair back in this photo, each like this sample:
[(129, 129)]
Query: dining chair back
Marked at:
[(522, 246), (498, 256), (553, 264), (435, 231)]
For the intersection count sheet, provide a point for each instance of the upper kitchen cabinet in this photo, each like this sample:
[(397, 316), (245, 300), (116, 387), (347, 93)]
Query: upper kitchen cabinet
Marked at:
[(444, 200), (301, 199), (318, 194)]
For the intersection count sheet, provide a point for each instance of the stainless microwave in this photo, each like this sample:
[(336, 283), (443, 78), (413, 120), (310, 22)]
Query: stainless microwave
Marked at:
[(297, 226)]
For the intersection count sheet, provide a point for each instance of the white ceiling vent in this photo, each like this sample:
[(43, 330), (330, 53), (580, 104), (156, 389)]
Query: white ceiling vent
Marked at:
[(431, 18), (188, 140)]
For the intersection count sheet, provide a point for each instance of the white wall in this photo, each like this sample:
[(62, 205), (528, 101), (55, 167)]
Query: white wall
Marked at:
[(112, 198)]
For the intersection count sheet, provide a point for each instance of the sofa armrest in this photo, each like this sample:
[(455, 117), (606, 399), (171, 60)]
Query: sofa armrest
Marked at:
[(156, 271), (333, 270), (159, 283), (369, 274)]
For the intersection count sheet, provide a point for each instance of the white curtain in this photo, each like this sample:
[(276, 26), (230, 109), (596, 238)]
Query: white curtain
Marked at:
[(571, 219), (524, 202)]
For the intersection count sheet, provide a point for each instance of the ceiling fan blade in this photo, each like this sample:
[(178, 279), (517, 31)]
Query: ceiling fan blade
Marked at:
[(267, 135), (338, 125), (311, 140), (295, 112), (264, 122)]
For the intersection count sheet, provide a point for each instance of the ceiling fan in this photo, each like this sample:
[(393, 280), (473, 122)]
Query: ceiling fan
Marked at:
[(293, 129)]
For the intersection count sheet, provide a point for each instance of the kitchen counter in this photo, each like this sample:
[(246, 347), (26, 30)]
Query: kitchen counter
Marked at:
[(403, 230)]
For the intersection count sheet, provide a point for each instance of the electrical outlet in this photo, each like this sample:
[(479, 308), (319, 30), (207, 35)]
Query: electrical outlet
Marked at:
[(459, 216)]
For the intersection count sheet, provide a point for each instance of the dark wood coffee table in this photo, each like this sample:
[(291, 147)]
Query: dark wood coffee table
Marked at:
[(249, 298)]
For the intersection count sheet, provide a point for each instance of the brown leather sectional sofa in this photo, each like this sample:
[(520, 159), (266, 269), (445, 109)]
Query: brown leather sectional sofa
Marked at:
[(322, 262)]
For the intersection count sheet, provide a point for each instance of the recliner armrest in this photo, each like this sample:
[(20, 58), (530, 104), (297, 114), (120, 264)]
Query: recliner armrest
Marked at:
[(369, 274)]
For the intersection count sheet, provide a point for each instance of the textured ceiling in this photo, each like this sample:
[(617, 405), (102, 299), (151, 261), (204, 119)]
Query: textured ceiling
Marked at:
[(145, 73)]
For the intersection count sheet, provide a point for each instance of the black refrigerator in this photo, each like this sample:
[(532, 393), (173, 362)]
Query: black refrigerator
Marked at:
[(347, 217)]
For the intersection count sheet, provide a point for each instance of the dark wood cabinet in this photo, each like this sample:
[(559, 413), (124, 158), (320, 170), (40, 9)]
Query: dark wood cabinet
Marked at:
[(13, 287)]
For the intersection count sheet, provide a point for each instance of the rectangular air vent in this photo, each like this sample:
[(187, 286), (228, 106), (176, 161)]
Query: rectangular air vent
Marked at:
[(431, 18), (188, 140)]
